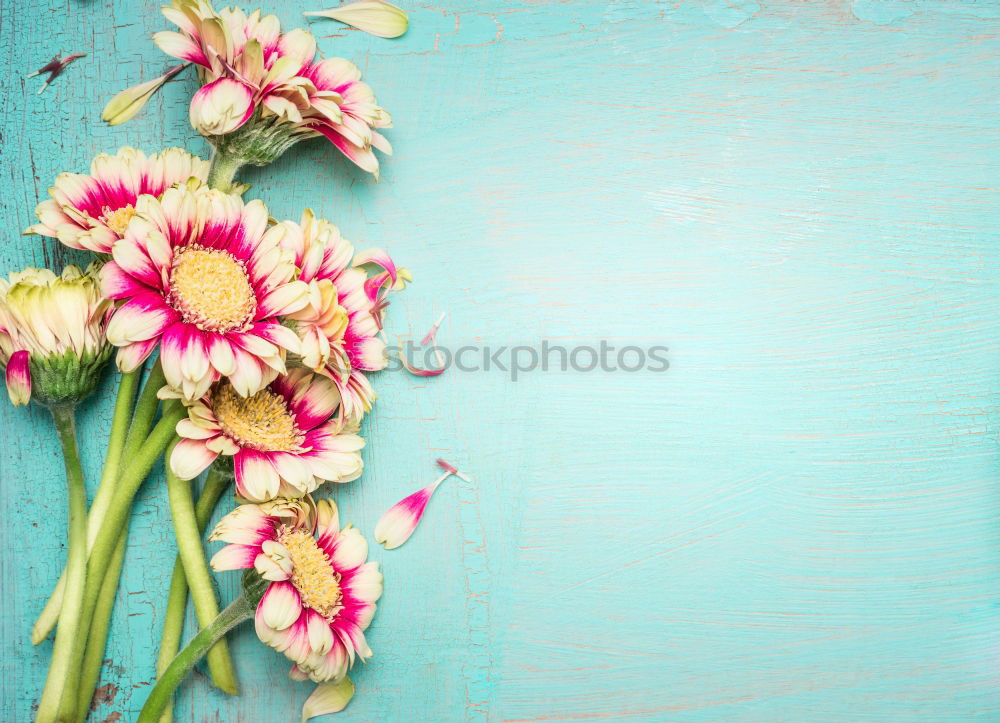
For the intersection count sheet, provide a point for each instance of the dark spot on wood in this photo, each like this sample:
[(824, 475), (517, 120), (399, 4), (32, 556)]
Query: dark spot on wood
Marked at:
[(104, 695)]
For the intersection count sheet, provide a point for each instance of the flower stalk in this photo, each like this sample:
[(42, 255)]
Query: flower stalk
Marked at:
[(93, 659), (138, 431), (216, 483), (199, 580), (222, 172), (116, 442), (115, 524), (238, 611), (60, 692)]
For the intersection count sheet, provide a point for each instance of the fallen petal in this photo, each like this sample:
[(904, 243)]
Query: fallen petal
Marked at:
[(451, 469), (328, 698), (418, 372), (400, 520), (430, 335), (375, 17)]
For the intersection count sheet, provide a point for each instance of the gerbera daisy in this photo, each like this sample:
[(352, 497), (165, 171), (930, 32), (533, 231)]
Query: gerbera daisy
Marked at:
[(91, 212), (322, 592), (283, 439), (202, 278), (249, 70), (262, 90), (339, 326)]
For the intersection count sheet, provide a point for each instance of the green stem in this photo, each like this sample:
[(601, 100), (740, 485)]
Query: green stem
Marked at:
[(142, 418), (223, 170), (105, 490), (94, 657), (173, 623), (138, 468), (61, 684), (198, 576), (239, 610), (173, 629), (138, 431)]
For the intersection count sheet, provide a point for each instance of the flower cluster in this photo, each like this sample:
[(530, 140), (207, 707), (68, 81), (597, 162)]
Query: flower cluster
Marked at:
[(265, 330), (255, 337), (263, 90)]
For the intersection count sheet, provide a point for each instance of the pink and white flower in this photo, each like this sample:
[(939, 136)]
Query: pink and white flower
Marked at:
[(322, 593), (339, 326), (91, 212), (283, 439), (205, 280), (268, 86)]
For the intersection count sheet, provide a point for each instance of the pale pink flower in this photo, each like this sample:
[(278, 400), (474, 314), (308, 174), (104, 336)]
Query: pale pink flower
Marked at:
[(275, 92), (203, 279), (261, 66), (283, 439), (91, 212), (322, 593)]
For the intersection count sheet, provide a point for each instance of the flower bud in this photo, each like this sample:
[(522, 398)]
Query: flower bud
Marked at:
[(52, 334)]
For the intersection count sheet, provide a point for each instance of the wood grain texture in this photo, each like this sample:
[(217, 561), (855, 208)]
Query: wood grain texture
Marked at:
[(797, 522)]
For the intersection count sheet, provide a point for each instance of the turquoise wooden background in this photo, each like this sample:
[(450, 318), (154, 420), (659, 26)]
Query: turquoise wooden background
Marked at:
[(797, 522)]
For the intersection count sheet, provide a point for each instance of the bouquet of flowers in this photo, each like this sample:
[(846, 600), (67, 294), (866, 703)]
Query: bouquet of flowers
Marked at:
[(244, 346)]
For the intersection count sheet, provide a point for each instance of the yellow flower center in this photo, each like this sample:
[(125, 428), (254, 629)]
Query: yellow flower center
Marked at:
[(261, 421), (312, 575), (211, 289), (118, 220)]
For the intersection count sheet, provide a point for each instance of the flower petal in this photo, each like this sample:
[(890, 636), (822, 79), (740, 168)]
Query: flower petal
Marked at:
[(256, 478), (190, 458), (375, 17), (234, 557), (245, 525), (348, 550), (281, 605), (124, 106), (328, 698), (398, 523), (145, 316), (221, 107), (19, 378)]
